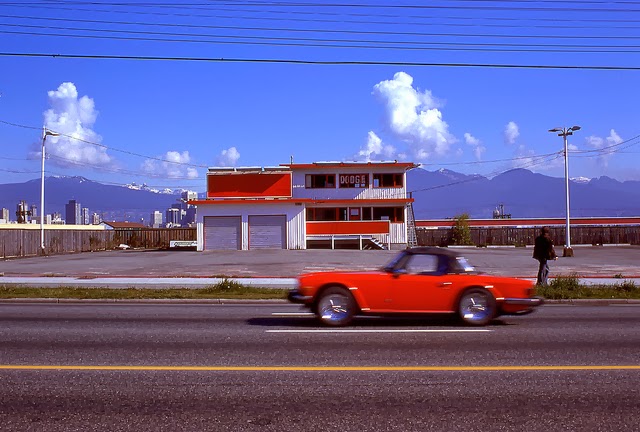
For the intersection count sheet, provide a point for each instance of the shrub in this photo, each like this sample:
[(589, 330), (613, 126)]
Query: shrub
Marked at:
[(460, 232)]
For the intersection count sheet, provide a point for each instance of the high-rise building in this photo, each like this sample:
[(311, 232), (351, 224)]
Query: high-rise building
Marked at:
[(5, 215), (34, 212), (173, 217), (155, 221), (188, 214), (189, 217), (73, 215), (188, 196), (96, 219), (85, 216)]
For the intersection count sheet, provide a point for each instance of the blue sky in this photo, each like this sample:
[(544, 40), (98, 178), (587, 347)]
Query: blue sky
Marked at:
[(163, 121)]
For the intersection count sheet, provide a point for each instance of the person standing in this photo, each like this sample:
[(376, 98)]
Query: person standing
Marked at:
[(543, 251)]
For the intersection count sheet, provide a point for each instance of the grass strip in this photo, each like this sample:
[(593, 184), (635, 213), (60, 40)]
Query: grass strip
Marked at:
[(225, 289), (568, 287), (560, 288)]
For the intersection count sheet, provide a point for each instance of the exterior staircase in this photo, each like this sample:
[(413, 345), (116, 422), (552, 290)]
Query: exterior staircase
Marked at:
[(372, 243)]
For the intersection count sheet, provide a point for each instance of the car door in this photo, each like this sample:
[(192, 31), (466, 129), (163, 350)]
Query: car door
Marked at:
[(374, 291), (424, 286)]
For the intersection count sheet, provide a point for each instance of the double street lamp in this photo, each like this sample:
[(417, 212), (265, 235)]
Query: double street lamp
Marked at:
[(45, 133), (564, 132)]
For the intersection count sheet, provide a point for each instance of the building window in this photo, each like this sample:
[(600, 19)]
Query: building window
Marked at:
[(320, 181), (354, 180), (392, 214), (366, 213), (327, 214), (387, 180)]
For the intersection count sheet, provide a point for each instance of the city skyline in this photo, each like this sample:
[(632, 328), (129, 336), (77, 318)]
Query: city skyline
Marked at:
[(76, 214)]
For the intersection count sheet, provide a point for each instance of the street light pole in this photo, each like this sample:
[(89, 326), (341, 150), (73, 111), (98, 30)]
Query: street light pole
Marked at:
[(564, 132), (45, 133)]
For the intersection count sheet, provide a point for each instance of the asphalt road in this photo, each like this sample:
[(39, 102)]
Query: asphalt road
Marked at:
[(266, 368)]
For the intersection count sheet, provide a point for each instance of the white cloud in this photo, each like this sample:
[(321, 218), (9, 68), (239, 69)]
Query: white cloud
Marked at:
[(374, 149), (75, 118), (414, 117), (228, 157), (173, 165), (478, 148), (511, 133), (603, 144)]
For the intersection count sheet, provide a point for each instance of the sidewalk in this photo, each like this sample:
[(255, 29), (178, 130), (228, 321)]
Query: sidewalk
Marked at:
[(203, 282)]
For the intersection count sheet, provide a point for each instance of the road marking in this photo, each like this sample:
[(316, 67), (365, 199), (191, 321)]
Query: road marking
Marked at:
[(323, 368), (379, 331)]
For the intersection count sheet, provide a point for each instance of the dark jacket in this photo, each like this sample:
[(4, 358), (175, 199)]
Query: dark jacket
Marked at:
[(543, 248)]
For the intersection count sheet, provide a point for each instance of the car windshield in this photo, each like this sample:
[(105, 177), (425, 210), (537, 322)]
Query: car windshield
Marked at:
[(463, 265), (394, 262)]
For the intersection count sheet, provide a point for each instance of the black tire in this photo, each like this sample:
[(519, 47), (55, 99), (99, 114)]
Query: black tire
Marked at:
[(477, 307), (335, 307)]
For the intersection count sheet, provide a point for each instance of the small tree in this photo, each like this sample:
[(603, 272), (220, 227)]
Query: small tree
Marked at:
[(461, 233)]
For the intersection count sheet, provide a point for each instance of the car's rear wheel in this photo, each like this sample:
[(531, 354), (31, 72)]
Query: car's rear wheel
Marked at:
[(477, 307), (335, 307)]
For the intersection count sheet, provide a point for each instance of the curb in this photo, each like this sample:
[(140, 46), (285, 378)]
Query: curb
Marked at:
[(564, 302)]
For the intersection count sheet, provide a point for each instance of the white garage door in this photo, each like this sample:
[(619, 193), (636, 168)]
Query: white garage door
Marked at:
[(267, 232), (222, 233)]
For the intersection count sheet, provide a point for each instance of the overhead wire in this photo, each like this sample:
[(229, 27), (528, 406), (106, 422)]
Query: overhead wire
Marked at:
[(105, 146), (285, 29), (392, 6), (320, 62), (475, 17), (441, 46)]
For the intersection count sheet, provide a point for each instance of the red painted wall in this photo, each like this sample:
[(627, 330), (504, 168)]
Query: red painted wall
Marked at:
[(249, 185), (344, 227)]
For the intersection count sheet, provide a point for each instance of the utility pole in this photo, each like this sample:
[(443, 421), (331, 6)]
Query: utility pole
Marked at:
[(564, 132)]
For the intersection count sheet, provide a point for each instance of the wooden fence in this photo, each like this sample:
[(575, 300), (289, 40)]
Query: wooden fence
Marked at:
[(26, 242), (580, 235)]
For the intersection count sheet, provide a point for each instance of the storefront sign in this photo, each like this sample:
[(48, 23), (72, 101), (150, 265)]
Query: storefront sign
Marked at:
[(354, 180)]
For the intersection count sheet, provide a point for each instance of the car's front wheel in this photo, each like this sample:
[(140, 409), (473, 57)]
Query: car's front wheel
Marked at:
[(477, 307), (336, 307)]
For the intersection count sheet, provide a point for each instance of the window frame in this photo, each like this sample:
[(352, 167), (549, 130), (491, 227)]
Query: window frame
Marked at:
[(396, 180), (310, 181)]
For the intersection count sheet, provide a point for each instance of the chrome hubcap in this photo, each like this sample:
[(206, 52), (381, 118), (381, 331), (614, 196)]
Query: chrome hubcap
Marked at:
[(334, 307), (475, 307)]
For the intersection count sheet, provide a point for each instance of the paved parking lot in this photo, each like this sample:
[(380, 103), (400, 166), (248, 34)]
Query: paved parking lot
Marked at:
[(589, 261)]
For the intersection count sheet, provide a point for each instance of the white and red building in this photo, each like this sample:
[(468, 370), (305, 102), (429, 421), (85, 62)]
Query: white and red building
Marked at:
[(297, 206)]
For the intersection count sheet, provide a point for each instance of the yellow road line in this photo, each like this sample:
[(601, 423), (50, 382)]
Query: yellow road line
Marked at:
[(319, 368)]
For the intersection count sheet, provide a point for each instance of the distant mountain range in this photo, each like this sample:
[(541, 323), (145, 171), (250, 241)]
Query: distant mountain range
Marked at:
[(438, 195), (131, 202), (524, 194)]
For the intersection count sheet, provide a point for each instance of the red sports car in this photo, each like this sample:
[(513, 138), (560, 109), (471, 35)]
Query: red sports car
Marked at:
[(422, 280)]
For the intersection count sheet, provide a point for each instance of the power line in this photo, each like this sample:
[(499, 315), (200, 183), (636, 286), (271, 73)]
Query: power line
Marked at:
[(542, 159), (603, 149), (104, 146), (281, 29), (441, 46), (319, 62), (204, 6), (475, 17)]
